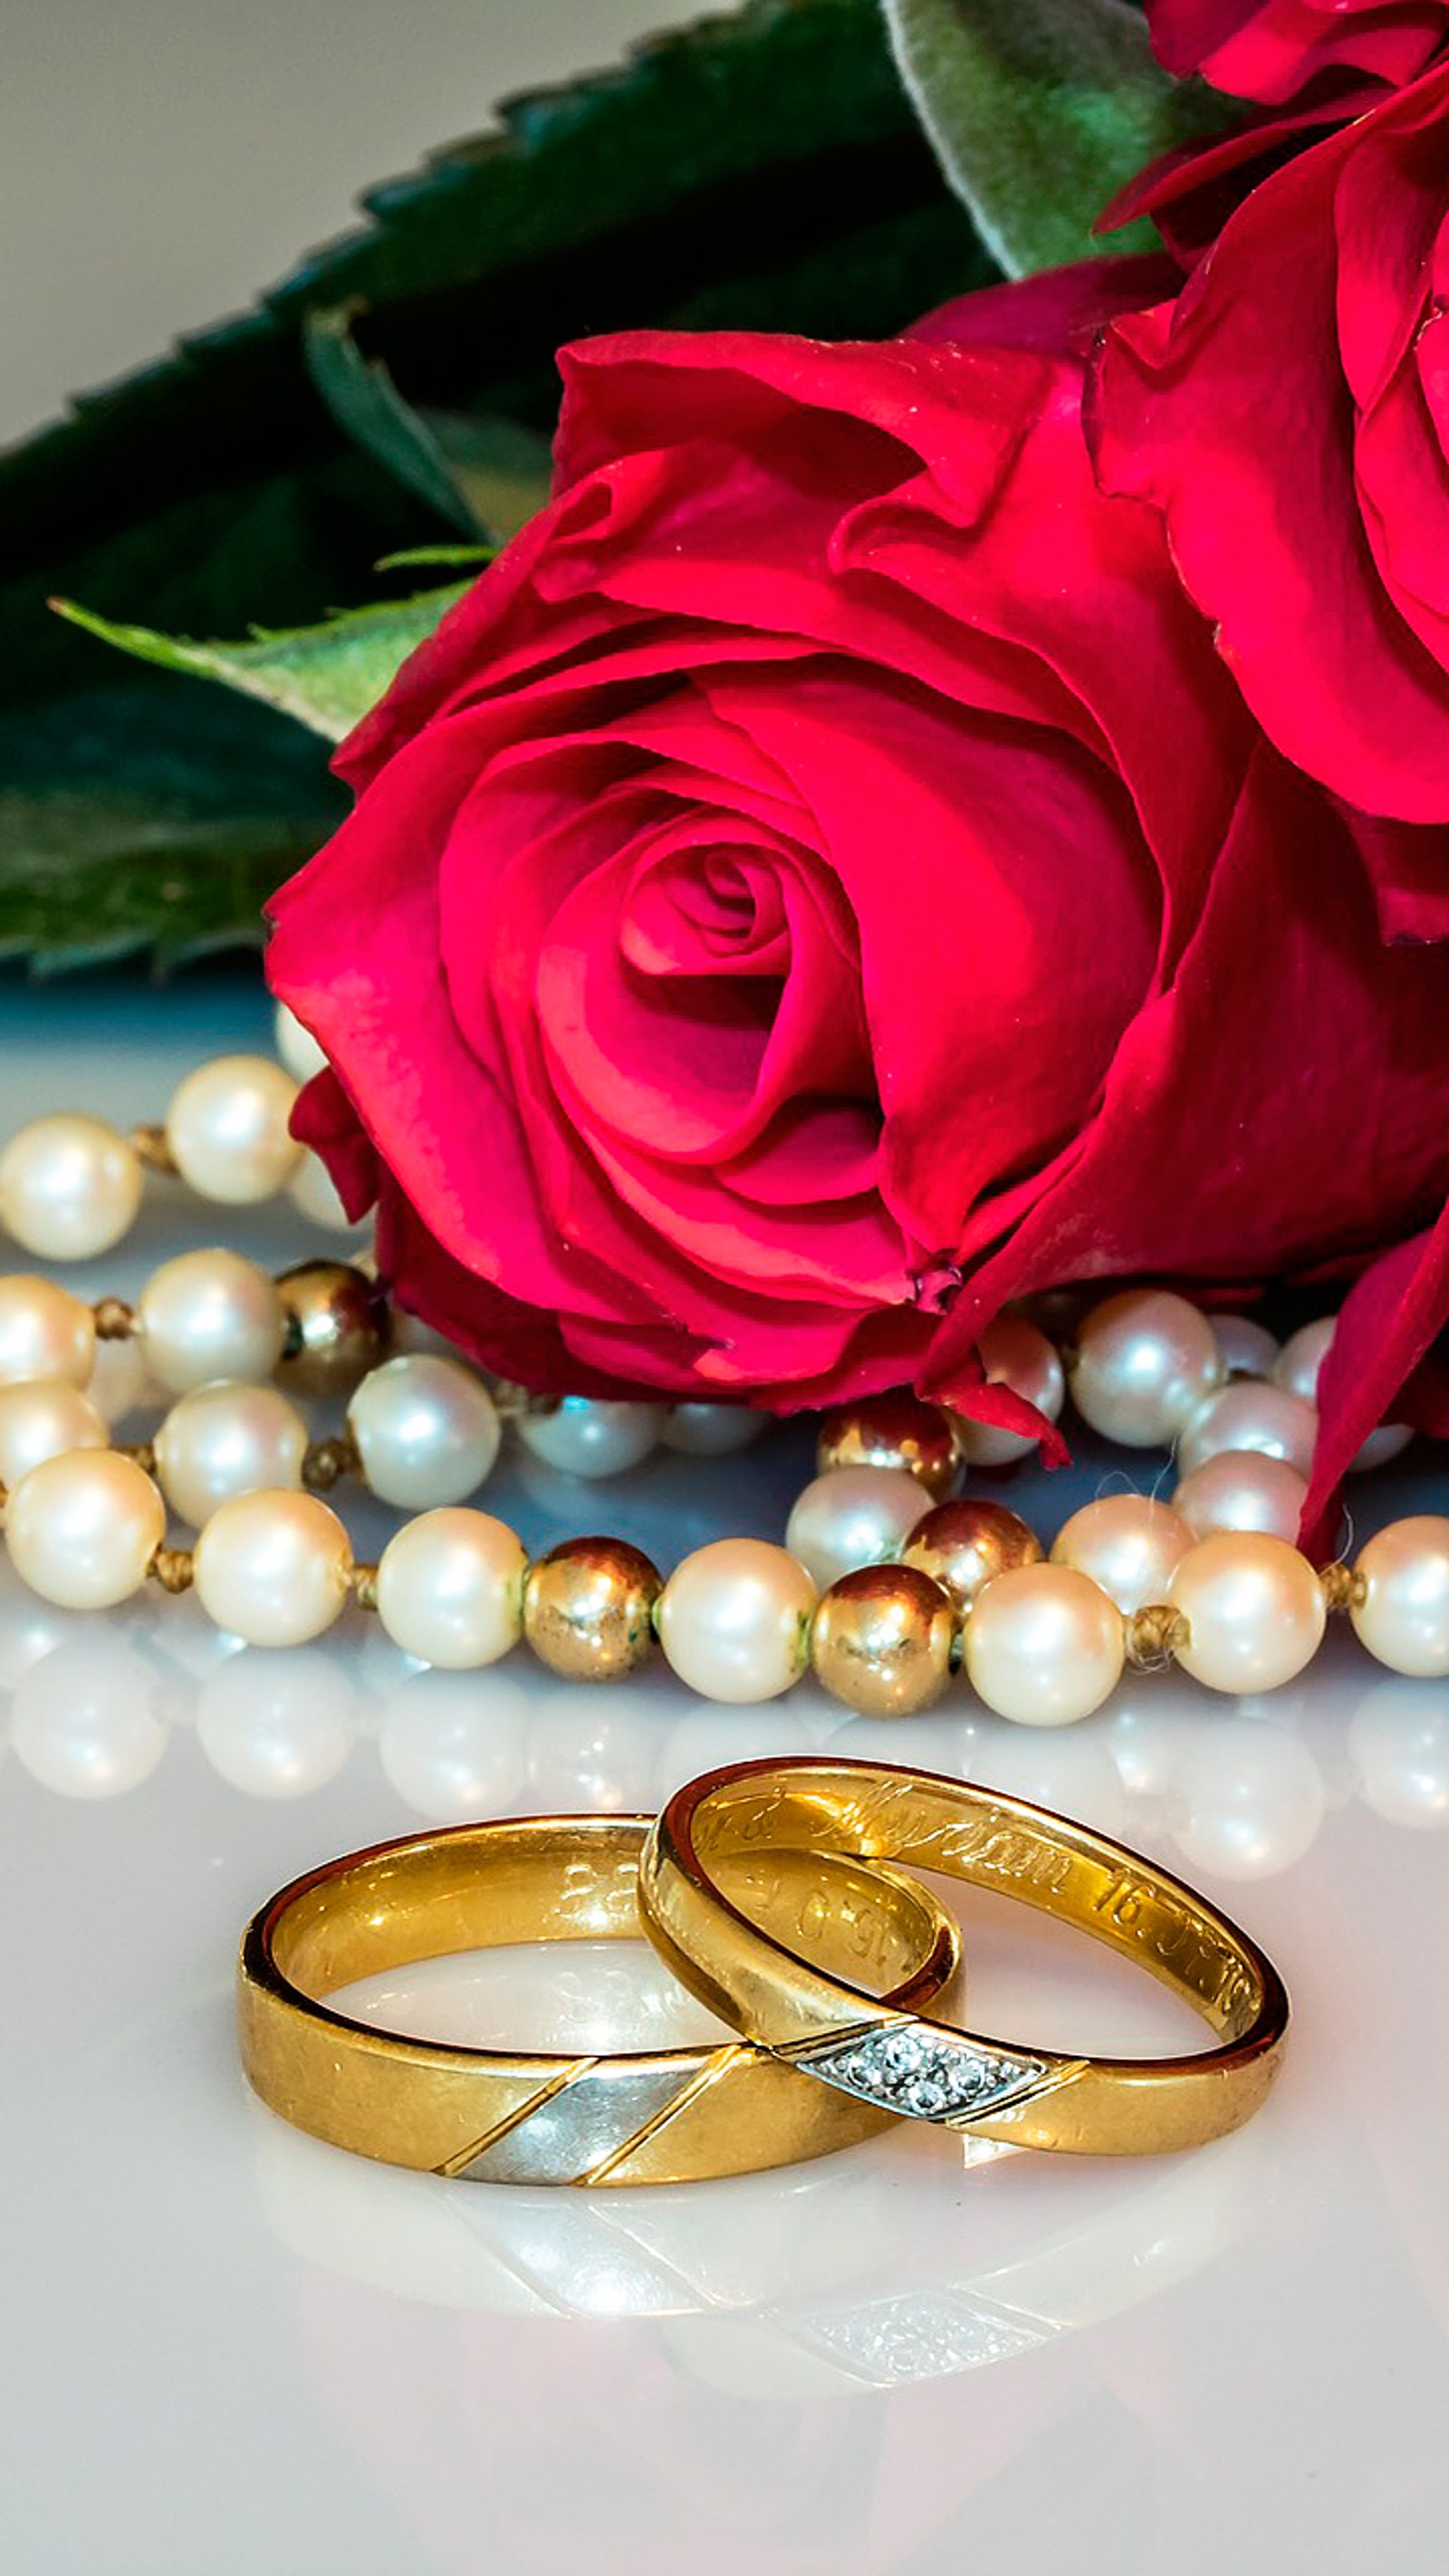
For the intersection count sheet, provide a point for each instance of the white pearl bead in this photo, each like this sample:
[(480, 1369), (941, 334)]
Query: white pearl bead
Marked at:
[(1302, 1357), (120, 1382), (585, 1435), (1254, 1607), (1017, 1354), (207, 1315), (42, 1419), (1299, 1366), (1128, 1544), (227, 1129), (1243, 1489), (409, 1332), (1043, 1645), (734, 1619), (83, 1528), (273, 1568), (1403, 1618), (44, 1332), (854, 1516), (1144, 1362), (711, 1430), (1246, 1347), (313, 1193), (450, 1588), (426, 1428), (224, 1439), (1251, 1415), (296, 1046), (70, 1187), (1389, 1441)]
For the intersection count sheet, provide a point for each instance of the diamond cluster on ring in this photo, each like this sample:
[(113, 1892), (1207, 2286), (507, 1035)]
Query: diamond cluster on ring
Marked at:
[(926, 2074)]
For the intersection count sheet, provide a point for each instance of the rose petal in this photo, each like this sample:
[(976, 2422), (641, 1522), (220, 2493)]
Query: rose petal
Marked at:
[(1285, 1172), (1250, 458), (1385, 1328)]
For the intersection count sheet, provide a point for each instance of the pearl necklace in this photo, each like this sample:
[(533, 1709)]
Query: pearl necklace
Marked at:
[(885, 1587)]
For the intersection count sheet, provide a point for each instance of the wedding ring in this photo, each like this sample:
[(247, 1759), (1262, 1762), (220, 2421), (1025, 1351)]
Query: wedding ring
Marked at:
[(828, 2025), (490, 2115)]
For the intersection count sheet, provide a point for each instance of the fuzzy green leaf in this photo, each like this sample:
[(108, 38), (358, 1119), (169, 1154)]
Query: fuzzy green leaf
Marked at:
[(1039, 111), (326, 677)]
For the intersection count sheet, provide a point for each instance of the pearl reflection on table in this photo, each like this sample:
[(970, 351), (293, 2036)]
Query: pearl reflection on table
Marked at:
[(30, 1627), (1145, 1739), (1070, 1769), (923, 1743), (592, 1749), (452, 1744), (1247, 1798), (1398, 1742), (277, 1725), (1237, 1790), (85, 1720)]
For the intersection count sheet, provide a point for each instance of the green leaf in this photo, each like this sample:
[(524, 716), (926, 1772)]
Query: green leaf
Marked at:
[(489, 476), (502, 470), (326, 677), (757, 171), (367, 406), (150, 820), (1039, 111), (761, 170), (413, 558)]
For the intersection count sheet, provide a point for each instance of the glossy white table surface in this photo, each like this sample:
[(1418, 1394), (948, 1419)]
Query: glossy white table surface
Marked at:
[(227, 2348)]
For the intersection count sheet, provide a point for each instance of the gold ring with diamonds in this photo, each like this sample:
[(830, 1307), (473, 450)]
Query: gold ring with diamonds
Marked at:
[(828, 2025), (489, 2115)]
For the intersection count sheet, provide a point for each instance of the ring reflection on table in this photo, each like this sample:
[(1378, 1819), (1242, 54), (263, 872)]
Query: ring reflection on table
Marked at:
[(804, 2277)]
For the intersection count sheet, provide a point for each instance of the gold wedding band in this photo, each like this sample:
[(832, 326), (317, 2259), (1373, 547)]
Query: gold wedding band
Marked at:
[(488, 2115), (827, 2024)]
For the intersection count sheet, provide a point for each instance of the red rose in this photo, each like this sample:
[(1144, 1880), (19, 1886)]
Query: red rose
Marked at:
[(1288, 414), (1190, 192), (1267, 49), (823, 862)]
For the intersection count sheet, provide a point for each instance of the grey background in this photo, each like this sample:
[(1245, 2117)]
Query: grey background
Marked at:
[(160, 160)]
